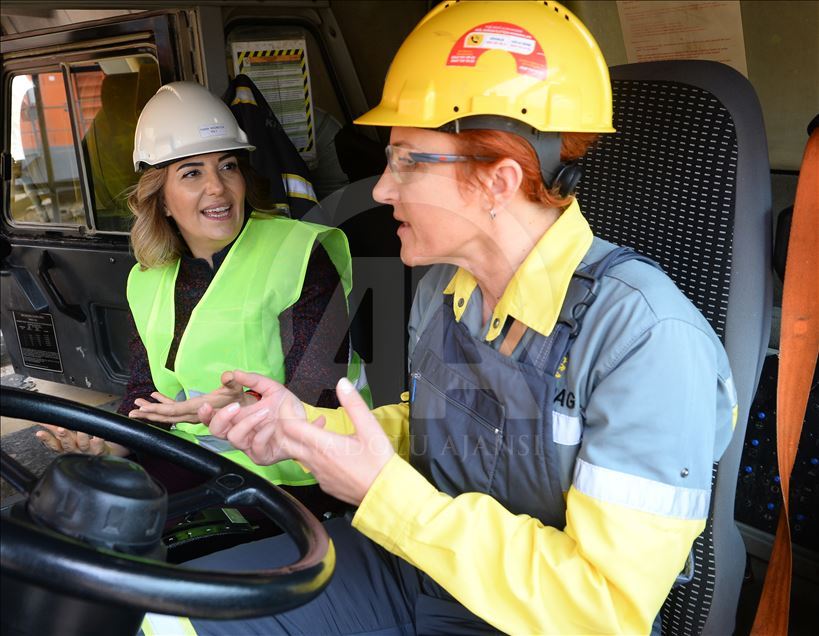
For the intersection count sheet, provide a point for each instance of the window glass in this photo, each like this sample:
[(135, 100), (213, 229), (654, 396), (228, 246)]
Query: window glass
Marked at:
[(110, 95), (45, 183)]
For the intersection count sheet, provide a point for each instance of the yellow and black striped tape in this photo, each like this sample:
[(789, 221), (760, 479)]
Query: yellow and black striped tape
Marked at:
[(243, 55)]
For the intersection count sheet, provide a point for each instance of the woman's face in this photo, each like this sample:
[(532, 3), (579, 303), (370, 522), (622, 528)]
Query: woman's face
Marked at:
[(441, 218), (205, 195)]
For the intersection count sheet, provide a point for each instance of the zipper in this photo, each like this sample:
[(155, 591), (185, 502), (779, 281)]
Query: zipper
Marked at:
[(416, 375)]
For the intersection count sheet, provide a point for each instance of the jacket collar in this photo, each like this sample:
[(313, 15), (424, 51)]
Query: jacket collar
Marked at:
[(536, 292)]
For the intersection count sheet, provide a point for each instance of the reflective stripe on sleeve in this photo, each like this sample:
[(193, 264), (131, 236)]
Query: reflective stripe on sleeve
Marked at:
[(298, 187), (732, 391), (566, 429), (640, 493), (244, 96), (162, 625)]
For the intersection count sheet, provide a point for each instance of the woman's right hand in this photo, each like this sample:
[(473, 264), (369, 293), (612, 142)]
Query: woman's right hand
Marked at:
[(250, 428), (166, 410), (63, 440)]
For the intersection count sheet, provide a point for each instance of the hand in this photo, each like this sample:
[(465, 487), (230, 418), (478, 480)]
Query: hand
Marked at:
[(239, 425), (344, 465), (62, 440), (168, 411)]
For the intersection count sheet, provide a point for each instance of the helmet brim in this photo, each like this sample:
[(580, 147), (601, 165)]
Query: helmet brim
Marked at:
[(385, 116), (203, 148)]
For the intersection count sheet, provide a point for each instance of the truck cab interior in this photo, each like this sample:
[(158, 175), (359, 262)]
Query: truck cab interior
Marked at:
[(701, 176)]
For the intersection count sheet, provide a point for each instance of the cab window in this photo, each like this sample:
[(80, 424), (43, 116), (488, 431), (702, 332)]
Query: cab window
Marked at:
[(86, 152), (45, 183), (109, 96)]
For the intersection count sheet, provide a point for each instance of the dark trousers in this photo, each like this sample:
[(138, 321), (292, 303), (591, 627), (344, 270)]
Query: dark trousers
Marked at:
[(371, 592)]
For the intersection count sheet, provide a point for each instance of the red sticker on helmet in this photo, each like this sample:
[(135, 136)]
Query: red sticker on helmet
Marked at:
[(500, 36)]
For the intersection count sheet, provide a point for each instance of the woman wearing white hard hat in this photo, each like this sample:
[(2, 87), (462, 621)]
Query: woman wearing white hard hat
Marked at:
[(550, 466), (218, 286)]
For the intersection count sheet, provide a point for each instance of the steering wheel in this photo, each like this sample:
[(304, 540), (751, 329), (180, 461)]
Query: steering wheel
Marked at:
[(38, 555)]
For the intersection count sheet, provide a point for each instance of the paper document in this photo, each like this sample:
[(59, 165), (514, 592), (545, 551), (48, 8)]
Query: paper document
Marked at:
[(664, 30), (280, 71)]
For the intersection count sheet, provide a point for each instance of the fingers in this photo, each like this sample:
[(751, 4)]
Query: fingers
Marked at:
[(285, 440), (356, 407), (90, 444), (259, 383), (253, 429), (205, 414), (67, 440), (49, 441), (164, 399), (267, 446), (166, 412), (83, 441), (241, 432), (163, 408), (229, 382), (227, 378), (59, 439), (139, 414), (98, 446), (221, 421)]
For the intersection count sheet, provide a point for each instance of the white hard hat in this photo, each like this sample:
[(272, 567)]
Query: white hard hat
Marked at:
[(181, 120)]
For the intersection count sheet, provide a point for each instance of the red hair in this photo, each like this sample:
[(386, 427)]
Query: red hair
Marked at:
[(500, 144)]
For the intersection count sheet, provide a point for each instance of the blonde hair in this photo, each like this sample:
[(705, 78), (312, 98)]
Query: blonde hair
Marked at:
[(155, 241), (154, 237)]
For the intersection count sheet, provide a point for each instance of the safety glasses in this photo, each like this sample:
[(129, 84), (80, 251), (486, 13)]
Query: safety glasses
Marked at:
[(404, 163)]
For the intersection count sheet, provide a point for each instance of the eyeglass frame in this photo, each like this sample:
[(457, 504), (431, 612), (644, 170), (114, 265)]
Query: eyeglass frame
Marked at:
[(430, 157)]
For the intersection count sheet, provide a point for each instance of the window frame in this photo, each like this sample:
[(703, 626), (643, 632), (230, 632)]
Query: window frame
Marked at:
[(38, 70), (76, 126), (60, 51)]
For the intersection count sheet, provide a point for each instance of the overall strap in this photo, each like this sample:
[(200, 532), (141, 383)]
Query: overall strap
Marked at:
[(549, 353)]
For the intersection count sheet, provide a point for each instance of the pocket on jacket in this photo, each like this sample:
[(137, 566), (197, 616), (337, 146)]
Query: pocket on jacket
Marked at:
[(456, 429)]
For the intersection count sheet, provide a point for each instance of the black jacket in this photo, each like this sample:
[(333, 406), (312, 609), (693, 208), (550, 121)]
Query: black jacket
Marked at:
[(275, 157)]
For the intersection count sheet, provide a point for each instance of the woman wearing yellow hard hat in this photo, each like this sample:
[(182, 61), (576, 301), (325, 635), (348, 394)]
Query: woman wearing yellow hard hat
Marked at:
[(550, 465)]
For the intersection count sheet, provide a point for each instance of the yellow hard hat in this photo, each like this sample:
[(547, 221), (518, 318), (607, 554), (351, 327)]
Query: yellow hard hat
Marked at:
[(530, 61)]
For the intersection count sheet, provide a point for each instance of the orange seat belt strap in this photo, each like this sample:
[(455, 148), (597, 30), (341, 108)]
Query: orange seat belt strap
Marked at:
[(798, 351)]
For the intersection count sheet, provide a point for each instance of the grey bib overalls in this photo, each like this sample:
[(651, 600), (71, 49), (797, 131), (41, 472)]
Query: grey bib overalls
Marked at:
[(482, 422)]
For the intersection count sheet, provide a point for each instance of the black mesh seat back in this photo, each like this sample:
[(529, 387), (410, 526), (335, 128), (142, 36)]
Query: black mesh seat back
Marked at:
[(686, 181), (665, 183)]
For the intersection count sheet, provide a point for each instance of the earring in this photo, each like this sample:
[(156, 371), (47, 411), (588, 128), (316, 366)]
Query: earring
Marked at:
[(492, 213), (167, 211)]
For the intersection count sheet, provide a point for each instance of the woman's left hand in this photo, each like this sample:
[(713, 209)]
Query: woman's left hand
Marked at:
[(344, 465), (166, 410)]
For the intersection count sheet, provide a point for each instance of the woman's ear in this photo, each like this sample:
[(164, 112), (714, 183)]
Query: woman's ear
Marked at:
[(504, 179)]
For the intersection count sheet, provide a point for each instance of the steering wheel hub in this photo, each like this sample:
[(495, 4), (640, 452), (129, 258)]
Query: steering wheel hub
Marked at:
[(106, 501)]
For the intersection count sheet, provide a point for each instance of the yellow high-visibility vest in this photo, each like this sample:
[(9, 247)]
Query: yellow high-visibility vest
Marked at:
[(235, 325)]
